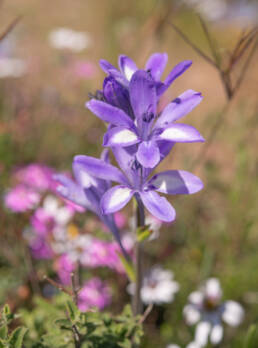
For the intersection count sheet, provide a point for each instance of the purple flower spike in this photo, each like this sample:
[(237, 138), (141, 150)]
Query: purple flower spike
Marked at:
[(155, 66), (146, 128)]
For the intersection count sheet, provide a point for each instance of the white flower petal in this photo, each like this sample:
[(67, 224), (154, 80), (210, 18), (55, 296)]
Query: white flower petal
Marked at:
[(191, 314), (196, 298), (213, 288), (50, 205), (216, 334), (193, 345), (233, 313), (202, 332)]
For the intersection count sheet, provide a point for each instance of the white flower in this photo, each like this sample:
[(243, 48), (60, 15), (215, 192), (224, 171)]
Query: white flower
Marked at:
[(61, 214), (190, 345), (12, 67), (68, 240), (158, 286), (211, 9), (155, 226), (206, 308), (65, 38)]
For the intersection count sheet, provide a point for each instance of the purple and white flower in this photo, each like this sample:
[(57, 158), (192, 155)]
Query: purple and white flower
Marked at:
[(133, 181), (158, 286), (208, 311), (87, 191), (155, 67), (143, 126)]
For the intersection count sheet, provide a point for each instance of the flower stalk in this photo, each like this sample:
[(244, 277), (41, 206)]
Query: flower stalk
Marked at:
[(140, 222)]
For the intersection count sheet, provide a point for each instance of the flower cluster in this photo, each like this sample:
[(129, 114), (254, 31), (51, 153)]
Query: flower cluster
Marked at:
[(32, 182), (140, 138), (53, 235)]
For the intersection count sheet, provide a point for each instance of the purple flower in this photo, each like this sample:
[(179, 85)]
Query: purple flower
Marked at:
[(154, 67), (94, 293), (144, 127), (133, 181), (87, 191)]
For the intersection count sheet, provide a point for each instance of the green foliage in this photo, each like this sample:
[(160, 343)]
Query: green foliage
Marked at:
[(13, 339), (60, 324), (251, 339), (143, 233)]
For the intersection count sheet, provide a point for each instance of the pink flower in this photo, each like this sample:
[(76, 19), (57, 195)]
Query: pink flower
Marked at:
[(42, 222), (94, 293), (64, 267), (120, 219), (36, 176), (21, 198), (40, 249), (85, 69)]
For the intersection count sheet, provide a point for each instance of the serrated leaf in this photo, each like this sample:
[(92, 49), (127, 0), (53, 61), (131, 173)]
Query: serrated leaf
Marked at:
[(143, 233), (17, 336), (128, 266), (250, 337)]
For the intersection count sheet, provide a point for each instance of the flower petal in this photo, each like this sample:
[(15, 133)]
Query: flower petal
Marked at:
[(233, 313), (115, 199), (178, 70), (100, 169), (109, 113), (216, 334), (202, 333), (127, 66), (148, 154), (179, 107), (142, 94), (176, 182), (68, 189), (192, 314), (106, 66), (158, 206), (120, 136), (212, 289), (156, 65), (116, 95), (181, 133)]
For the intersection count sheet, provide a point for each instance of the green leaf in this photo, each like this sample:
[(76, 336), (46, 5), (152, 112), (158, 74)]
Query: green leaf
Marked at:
[(128, 266), (3, 332), (72, 311), (64, 323), (143, 233), (250, 339), (17, 336)]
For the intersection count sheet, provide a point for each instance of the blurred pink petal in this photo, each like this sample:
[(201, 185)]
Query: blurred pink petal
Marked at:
[(21, 198), (95, 293)]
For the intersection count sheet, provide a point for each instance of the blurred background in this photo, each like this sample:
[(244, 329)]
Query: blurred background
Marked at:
[(49, 65)]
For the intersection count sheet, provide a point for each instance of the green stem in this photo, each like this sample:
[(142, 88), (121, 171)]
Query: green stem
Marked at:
[(137, 303)]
